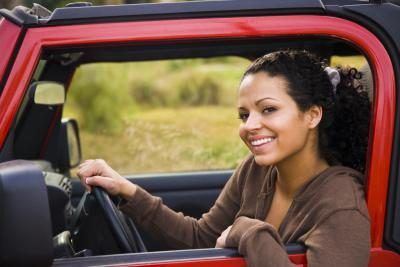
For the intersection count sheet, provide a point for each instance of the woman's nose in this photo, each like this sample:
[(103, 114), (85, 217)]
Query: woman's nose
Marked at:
[(253, 122)]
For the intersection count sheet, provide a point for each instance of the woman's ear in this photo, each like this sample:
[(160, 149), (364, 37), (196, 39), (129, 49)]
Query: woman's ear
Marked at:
[(315, 115)]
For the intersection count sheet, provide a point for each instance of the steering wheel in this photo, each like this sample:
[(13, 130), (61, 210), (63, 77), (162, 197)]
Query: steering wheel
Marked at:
[(127, 237)]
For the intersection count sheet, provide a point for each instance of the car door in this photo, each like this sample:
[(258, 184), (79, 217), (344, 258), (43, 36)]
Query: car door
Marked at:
[(147, 32)]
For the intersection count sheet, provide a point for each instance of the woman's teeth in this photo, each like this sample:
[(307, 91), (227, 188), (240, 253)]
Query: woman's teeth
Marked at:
[(261, 141)]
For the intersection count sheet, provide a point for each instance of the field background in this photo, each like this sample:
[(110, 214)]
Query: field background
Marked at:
[(175, 115)]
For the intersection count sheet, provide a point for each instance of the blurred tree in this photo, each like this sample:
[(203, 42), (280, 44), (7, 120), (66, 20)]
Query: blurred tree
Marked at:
[(9, 4)]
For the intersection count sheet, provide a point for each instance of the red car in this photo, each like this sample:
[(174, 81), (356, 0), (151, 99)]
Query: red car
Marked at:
[(46, 224)]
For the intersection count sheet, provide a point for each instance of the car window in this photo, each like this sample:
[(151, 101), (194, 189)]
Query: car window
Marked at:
[(153, 116), (164, 116)]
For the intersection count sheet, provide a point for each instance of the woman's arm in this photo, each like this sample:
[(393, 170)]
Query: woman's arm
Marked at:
[(179, 231), (342, 239), (258, 242), (172, 228)]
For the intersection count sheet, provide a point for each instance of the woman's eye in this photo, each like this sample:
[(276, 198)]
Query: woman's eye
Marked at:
[(243, 116), (269, 110)]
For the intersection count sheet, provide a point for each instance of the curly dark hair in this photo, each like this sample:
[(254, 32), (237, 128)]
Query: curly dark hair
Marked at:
[(344, 127)]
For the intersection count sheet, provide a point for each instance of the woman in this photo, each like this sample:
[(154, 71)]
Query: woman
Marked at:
[(303, 123)]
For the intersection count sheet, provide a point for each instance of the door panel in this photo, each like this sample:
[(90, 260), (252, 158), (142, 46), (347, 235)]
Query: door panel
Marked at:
[(192, 193)]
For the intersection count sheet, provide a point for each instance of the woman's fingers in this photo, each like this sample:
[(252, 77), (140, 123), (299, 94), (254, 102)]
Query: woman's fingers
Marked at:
[(85, 163), (107, 183), (221, 241), (98, 173), (91, 168), (87, 187), (80, 173)]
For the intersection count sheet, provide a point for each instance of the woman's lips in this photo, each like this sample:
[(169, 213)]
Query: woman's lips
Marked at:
[(259, 145), (261, 141)]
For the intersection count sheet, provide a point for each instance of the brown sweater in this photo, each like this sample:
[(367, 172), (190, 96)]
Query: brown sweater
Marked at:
[(328, 215)]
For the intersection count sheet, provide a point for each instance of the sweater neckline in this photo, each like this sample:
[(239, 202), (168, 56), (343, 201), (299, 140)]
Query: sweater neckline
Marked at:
[(268, 187)]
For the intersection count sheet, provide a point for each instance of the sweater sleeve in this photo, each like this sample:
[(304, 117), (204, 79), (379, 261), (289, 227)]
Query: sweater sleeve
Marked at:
[(258, 242), (183, 232), (342, 239)]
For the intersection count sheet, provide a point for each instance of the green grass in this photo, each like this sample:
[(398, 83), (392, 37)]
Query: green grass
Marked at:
[(100, 94), (174, 115), (159, 116), (170, 140)]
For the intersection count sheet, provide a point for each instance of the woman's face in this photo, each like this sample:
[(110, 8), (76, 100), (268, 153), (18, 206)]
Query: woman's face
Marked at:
[(272, 125)]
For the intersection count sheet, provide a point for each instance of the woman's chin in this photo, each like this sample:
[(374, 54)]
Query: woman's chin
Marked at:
[(264, 160)]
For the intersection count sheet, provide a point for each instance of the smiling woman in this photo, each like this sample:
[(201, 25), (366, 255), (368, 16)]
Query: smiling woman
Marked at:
[(289, 93), (311, 192), (302, 183)]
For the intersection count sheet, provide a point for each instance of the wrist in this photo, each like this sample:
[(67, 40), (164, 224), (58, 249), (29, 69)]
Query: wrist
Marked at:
[(128, 190)]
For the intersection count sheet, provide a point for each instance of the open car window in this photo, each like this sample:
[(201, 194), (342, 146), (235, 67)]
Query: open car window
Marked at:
[(159, 116), (167, 115)]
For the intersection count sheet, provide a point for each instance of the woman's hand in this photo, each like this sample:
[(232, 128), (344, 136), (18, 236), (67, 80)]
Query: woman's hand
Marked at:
[(221, 241), (98, 173)]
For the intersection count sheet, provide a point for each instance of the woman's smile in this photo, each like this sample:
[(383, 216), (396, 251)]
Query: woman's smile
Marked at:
[(260, 144)]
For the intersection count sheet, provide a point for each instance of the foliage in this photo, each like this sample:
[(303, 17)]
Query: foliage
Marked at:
[(170, 139), (98, 97), (160, 113), (102, 93)]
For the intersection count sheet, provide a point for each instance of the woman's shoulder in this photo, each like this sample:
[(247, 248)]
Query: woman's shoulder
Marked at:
[(337, 188), (343, 182)]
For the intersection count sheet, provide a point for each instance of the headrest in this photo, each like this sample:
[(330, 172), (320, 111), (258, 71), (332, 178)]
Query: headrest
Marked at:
[(25, 224)]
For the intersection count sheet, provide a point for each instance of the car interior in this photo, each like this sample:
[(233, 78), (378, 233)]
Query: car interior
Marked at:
[(89, 224)]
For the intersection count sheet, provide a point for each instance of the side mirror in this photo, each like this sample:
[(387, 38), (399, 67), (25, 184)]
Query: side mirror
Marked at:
[(69, 148), (73, 142), (48, 93), (64, 148)]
